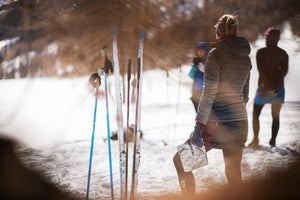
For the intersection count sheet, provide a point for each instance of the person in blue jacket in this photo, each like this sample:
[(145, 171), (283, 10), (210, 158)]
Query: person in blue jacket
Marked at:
[(197, 72)]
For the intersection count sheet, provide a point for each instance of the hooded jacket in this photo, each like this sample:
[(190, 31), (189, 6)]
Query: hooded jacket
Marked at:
[(226, 82), (272, 63), (195, 72), (204, 46)]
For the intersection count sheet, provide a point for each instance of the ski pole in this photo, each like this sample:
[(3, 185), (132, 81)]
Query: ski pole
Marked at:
[(95, 81), (168, 103), (137, 131), (108, 136), (107, 124), (127, 132), (251, 102), (178, 98)]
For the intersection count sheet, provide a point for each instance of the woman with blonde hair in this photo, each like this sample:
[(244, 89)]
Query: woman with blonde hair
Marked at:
[(221, 120)]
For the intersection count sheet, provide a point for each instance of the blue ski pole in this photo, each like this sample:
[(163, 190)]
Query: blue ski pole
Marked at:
[(108, 136), (106, 70), (95, 82)]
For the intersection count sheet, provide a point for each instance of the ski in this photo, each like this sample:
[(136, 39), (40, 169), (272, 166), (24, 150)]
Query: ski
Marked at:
[(136, 148), (122, 149)]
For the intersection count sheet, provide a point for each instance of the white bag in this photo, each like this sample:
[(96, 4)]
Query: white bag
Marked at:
[(192, 156)]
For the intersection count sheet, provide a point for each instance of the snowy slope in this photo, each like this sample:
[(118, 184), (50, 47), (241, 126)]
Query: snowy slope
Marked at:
[(54, 119)]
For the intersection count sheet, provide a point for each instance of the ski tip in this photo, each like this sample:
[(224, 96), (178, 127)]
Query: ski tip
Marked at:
[(143, 33), (116, 30)]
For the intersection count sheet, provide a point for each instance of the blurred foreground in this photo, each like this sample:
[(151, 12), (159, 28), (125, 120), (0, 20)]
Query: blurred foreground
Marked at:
[(19, 182)]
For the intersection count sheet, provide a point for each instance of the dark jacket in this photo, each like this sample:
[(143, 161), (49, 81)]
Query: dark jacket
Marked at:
[(272, 64), (226, 82)]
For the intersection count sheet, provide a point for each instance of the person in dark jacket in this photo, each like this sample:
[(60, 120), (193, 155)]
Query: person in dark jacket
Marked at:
[(221, 121), (197, 72), (272, 65), (226, 90)]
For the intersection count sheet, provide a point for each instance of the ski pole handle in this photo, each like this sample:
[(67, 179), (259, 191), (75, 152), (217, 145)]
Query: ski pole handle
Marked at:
[(129, 70), (167, 71), (103, 50), (103, 53)]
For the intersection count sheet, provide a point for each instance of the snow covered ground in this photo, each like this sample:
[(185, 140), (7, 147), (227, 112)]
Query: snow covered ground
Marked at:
[(52, 120)]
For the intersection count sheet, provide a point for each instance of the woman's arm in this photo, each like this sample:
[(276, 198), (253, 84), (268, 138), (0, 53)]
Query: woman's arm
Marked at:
[(211, 83)]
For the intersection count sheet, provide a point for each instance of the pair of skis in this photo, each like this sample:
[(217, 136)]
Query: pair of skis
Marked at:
[(123, 147)]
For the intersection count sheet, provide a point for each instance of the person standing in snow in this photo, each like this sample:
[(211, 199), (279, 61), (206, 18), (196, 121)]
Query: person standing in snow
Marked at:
[(221, 120), (272, 64), (197, 72)]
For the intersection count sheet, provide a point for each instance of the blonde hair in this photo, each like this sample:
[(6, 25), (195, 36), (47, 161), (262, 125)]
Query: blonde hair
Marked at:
[(227, 26)]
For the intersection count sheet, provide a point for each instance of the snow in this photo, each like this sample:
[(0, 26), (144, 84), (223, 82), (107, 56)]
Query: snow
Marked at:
[(52, 119), (4, 43)]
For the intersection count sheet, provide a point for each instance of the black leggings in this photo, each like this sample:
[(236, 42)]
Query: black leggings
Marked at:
[(275, 115)]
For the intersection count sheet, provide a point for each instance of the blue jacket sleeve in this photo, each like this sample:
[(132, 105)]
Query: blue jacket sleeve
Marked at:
[(192, 72)]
